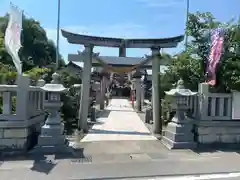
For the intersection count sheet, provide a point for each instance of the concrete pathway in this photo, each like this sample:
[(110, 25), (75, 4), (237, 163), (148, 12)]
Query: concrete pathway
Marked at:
[(118, 122)]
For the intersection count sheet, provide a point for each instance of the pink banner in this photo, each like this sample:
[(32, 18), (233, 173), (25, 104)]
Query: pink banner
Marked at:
[(217, 40)]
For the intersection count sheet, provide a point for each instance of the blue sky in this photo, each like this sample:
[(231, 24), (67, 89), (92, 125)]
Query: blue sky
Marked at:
[(120, 18)]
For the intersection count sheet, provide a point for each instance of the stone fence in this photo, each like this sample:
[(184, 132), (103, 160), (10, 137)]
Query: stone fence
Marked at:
[(213, 116), (211, 106), (19, 125)]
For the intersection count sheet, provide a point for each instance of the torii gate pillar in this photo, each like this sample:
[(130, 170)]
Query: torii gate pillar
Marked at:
[(84, 104), (157, 123)]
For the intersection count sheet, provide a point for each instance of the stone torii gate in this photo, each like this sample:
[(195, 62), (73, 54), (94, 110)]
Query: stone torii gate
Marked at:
[(114, 65), (90, 41)]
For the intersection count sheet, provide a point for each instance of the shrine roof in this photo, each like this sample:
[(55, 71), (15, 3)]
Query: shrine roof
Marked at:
[(74, 38), (122, 60), (111, 60)]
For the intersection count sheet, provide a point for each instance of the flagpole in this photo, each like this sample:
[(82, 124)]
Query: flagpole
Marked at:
[(58, 28), (21, 63), (187, 14)]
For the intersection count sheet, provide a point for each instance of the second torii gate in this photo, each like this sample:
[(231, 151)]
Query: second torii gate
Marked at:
[(90, 41)]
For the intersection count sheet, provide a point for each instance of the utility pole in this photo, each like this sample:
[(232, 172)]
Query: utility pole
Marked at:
[(58, 28), (187, 14)]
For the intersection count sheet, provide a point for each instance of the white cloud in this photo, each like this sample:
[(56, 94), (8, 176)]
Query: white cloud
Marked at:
[(160, 3)]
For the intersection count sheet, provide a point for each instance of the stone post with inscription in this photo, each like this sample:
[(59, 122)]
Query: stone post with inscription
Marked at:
[(103, 92), (137, 84), (142, 93)]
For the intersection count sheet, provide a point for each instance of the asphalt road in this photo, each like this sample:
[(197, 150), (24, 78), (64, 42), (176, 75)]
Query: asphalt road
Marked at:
[(224, 176), (155, 170), (180, 178)]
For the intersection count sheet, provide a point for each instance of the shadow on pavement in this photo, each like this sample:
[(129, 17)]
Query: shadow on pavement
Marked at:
[(91, 123), (46, 162), (98, 131), (123, 111), (217, 147), (43, 165), (104, 114)]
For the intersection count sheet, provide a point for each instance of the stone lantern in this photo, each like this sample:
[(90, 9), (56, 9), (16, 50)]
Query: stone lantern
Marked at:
[(52, 138), (178, 134)]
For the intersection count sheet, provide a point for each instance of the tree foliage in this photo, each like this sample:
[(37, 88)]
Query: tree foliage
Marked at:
[(37, 49), (190, 65), (38, 53)]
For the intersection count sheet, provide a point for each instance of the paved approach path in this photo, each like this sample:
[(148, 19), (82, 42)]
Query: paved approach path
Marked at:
[(118, 122)]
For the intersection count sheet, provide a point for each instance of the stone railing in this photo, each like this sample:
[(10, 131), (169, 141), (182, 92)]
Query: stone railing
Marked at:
[(215, 106), (219, 106), (194, 106), (212, 113), (8, 94), (210, 106), (22, 113)]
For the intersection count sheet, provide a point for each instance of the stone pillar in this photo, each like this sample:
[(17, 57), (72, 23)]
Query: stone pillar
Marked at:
[(41, 83), (102, 91), (52, 139), (86, 77), (111, 76), (122, 52), (138, 93), (157, 123), (22, 100), (129, 76), (77, 88), (203, 89), (142, 93)]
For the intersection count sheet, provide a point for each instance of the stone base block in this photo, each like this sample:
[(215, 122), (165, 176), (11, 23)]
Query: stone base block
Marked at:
[(15, 143), (148, 116), (51, 140), (52, 130), (178, 145), (16, 138), (218, 132), (179, 136)]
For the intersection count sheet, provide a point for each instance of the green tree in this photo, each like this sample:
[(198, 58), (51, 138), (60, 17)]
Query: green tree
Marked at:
[(228, 70), (190, 64), (38, 54), (37, 49), (185, 67)]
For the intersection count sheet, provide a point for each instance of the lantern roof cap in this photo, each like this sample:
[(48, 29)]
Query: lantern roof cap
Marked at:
[(54, 88), (180, 90), (55, 85)]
